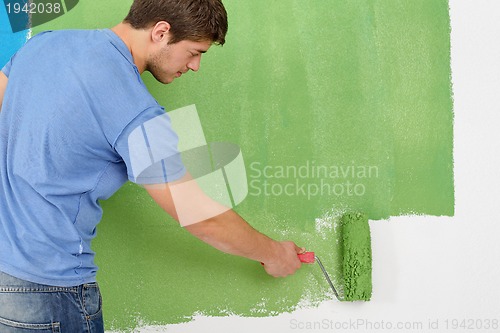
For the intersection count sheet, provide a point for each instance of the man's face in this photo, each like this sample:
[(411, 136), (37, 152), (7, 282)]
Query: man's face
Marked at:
[(172, 60)]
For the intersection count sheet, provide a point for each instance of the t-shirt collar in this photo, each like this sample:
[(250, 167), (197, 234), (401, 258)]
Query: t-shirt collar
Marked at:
[(119, 44)]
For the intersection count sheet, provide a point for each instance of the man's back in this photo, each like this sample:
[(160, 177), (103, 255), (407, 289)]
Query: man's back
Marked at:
[(70, 97)]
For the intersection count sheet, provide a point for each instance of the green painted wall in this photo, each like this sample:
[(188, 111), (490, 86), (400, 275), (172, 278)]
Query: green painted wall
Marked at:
[(342, 86)]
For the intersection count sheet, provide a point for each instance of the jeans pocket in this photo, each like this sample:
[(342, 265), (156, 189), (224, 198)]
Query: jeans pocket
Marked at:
[(92, 301), (11, 326)]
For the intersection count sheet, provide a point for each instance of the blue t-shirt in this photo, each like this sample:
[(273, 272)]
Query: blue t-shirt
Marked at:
[(76, 123)]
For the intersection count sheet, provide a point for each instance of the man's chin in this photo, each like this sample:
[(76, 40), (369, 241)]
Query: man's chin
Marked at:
[(169, 80), (164, 80)]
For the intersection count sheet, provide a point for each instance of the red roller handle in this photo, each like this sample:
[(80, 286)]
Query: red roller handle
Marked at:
[(305, 258)]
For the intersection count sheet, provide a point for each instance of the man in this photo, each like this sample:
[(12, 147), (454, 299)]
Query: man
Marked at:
[(72, 103)]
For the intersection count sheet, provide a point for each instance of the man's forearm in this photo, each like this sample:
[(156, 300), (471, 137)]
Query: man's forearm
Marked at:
[(229, 233), (226, 230)]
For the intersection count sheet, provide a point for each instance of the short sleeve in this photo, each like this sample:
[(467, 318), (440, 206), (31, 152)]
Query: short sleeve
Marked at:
[(148, 146), (7, 67)]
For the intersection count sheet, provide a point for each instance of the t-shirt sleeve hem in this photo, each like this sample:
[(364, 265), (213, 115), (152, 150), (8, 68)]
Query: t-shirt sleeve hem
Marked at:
[(157, 180), (6, 70)]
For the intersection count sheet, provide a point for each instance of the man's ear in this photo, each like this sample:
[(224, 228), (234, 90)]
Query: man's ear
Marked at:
[(160, 32)]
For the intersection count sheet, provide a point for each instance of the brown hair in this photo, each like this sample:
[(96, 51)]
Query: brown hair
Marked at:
[(194, 20)]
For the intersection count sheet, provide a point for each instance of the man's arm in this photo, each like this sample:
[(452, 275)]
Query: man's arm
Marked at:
[(228, 232), (3, 86)]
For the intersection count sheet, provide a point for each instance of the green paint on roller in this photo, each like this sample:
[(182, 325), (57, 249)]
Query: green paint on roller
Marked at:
[(357, 257), (350, 259)]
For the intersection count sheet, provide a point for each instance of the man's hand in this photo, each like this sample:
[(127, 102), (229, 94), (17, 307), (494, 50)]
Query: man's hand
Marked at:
[(285, 261)]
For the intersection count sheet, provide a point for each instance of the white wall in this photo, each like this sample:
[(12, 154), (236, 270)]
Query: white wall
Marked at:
[(429, 269)]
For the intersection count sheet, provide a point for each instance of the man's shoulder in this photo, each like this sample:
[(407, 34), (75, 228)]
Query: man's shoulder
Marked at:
[(66, 34), (71, 39), (96, 50)]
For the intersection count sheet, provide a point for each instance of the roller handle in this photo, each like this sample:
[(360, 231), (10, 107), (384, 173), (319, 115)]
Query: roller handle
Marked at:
[(305, 258)]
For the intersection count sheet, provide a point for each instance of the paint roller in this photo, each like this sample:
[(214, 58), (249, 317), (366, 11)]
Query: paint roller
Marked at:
[(356, 259)]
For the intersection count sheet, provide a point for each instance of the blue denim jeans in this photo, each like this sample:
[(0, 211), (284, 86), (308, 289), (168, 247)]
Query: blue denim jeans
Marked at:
[(27, 307)]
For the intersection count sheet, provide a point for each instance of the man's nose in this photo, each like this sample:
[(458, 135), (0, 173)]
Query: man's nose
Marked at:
[(194, 64)]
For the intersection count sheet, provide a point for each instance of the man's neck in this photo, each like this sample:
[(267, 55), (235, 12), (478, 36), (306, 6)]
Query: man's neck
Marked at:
[(134, 40)]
